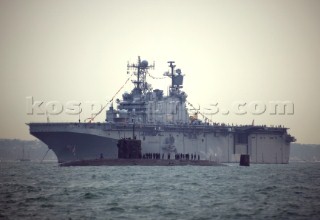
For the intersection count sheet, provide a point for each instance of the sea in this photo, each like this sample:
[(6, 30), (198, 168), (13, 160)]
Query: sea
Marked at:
[(34, 190)]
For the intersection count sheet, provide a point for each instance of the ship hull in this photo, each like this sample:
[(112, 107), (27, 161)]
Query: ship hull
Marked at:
[(70, 146), (72, 142)]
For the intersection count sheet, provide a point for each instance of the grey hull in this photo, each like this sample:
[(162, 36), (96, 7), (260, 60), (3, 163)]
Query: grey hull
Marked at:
[(70, 146)]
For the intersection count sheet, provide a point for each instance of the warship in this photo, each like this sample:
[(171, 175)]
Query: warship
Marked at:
[(165, 126)]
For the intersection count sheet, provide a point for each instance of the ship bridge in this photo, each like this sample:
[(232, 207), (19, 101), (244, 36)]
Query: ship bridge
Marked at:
[(147, 106)]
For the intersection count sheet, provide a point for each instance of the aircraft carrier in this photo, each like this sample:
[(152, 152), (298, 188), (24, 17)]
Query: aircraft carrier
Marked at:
[(165, 126)]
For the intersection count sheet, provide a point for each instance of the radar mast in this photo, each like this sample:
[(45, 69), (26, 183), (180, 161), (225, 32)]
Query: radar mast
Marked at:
[(140, 70), (176, 79)]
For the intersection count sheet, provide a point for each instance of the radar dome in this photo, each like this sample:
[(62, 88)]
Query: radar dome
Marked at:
[(144, 63)]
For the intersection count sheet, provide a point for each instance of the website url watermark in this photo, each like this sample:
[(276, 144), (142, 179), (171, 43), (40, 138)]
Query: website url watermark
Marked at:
[(253, 108), (37, 107), (275, 107)]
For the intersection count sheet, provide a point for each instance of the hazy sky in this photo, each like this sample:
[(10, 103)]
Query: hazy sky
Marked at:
[(230, 51)]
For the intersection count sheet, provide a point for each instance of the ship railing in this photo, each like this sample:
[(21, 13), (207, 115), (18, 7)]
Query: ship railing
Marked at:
[(158, 127)]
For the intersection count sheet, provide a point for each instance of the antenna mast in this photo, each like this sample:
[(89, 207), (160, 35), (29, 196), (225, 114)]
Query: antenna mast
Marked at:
[(172, 72), (140, 71), (176, 78)]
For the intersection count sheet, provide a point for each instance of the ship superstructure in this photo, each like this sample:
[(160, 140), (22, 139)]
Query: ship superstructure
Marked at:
[(147, 106), (163, 124)]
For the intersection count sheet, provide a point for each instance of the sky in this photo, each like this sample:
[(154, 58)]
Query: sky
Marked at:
[(249, 52)]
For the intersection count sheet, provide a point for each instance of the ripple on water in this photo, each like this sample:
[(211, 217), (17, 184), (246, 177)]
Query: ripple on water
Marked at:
[(259, 191)]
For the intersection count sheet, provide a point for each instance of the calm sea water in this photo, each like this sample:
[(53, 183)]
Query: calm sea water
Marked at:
[(47, 191)]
